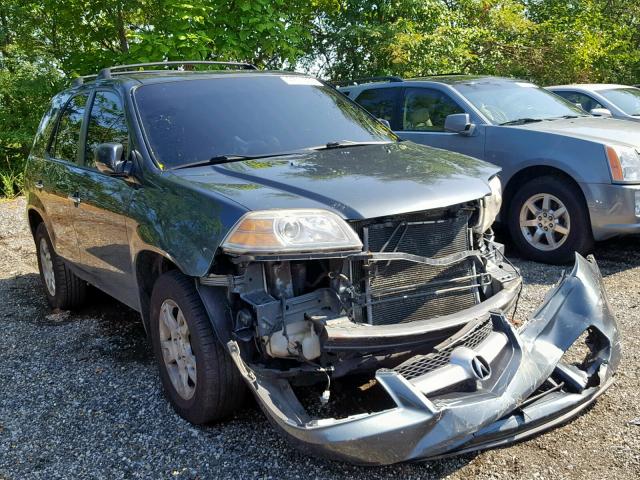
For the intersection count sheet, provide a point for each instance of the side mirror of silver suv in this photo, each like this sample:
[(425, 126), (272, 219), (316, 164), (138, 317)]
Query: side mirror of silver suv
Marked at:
[(459, 123)]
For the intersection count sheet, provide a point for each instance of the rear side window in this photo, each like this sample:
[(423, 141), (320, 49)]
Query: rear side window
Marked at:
[(425, 110), (65, 146), (381, 103), (47, 124), (107, 124), (584, 101)]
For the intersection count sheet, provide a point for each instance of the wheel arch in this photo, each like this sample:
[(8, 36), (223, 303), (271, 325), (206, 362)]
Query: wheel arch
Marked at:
[(35, 219), (527, 174), (149, 265)]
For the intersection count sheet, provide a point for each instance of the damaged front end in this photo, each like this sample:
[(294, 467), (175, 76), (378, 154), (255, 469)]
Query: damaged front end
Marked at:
[(417, 313)]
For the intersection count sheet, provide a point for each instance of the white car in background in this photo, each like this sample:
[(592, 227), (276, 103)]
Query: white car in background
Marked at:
[(603, 100)]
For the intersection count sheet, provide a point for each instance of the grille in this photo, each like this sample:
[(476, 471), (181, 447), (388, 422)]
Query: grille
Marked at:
[(401, 291), (422, 364)]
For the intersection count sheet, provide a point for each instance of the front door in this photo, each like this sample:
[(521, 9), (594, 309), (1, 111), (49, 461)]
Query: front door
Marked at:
[(104, 203), (423, 114)]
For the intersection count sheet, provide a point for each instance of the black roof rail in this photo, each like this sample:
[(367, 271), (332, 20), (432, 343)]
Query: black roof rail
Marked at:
[(359, 81), (134, 67)]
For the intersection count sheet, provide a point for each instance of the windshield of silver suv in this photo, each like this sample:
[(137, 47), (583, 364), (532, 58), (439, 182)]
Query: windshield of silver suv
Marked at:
[(508, 102), (210, 120), (626, 99)]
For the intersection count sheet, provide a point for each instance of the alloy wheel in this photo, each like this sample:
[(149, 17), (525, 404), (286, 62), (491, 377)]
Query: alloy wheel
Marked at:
[(46, 263), (175, 342), (544, 222)]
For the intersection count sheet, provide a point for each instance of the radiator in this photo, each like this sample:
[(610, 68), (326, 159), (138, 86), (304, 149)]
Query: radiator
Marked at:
[(401, 291)]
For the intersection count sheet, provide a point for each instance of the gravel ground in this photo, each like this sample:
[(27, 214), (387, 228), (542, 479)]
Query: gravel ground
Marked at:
[(80, 396)]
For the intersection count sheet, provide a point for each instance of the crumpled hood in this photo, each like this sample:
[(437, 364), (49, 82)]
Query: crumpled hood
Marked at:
[(356, 182), (602, 130)]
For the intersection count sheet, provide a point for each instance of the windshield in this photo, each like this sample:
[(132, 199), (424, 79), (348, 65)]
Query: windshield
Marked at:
[(626, 99), (259, 115), (508, 102)]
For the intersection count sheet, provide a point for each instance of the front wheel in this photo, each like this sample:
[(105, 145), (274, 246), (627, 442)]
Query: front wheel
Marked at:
[(548, 221), (198, 375)]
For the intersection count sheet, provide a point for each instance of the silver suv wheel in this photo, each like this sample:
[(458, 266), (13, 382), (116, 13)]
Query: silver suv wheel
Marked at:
[(175, 341), (46, 263), (545, 222)]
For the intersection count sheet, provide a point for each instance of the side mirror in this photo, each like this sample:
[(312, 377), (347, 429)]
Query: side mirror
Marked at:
[(459, 123), (108, 159), (385, 122), (601, 112)]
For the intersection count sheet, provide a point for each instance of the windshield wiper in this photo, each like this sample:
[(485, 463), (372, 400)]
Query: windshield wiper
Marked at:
[(345, 144), (220, 159), (522, 121), (566, 117)]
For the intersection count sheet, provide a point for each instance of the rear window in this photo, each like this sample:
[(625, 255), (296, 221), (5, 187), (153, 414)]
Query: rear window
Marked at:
[(67, 138), (194, 120)]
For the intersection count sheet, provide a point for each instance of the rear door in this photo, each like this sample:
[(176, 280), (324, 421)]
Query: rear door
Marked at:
[(104, 203), (60, 176), (382, 103), (422, 116)]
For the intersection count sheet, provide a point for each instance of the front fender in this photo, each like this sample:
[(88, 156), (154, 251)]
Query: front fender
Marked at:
[(180, 223), (515, 149)]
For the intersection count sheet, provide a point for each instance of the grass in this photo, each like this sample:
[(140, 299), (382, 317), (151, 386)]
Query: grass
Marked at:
[(11, 177)]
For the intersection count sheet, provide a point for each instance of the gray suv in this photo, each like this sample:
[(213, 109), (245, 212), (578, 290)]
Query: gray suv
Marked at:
[(569, 178), (278, 240)]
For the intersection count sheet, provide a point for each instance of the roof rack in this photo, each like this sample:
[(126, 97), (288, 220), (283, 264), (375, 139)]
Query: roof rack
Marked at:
[(359, 81), (134, 67)]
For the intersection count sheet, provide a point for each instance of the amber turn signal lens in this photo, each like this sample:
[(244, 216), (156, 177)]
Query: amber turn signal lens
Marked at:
[(256, 232), (614, 164)]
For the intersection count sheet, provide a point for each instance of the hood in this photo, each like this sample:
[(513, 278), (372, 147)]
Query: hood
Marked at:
[(355, 182), (601, 130)]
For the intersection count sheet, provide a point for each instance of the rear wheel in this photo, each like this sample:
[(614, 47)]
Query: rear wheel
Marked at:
[(549, 221), (63, 288), (198, 375)]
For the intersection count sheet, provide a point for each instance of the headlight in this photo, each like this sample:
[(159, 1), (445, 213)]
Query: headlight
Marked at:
[(624, 163), (490, 206), (291, 231)]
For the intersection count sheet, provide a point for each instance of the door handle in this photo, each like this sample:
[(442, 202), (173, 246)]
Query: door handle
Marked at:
[(75, 198), (39, 185)]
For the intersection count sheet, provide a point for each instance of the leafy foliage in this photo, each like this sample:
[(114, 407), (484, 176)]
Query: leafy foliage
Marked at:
[(43, 43)]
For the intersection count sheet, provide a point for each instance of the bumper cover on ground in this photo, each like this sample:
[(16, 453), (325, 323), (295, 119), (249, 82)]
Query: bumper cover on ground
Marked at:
[(505, 403)]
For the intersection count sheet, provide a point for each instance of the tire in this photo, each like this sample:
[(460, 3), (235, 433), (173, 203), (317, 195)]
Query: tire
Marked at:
[(64, 290), (559, 232), (218, 388)]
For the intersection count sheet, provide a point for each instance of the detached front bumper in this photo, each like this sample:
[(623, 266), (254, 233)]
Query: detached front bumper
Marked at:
[(434, 416)]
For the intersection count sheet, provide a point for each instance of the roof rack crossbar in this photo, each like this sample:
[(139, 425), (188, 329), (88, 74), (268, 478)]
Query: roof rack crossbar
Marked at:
[(122, 69)]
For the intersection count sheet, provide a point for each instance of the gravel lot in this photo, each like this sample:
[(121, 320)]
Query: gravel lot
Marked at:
[(80, 396)]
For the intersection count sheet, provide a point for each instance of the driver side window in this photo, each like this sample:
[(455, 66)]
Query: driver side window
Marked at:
[(107, 124), (586, 102), (425, 110)]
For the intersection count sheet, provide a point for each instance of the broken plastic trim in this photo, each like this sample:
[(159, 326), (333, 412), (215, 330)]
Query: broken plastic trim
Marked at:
[(503, 408)]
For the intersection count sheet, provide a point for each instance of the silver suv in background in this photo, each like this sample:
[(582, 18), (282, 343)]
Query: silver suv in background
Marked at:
[(569, 178), (603, 100)]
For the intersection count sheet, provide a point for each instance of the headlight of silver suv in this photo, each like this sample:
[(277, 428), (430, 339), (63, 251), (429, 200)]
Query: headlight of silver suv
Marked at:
[(291, 231), (624, 163), (490, 206)]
